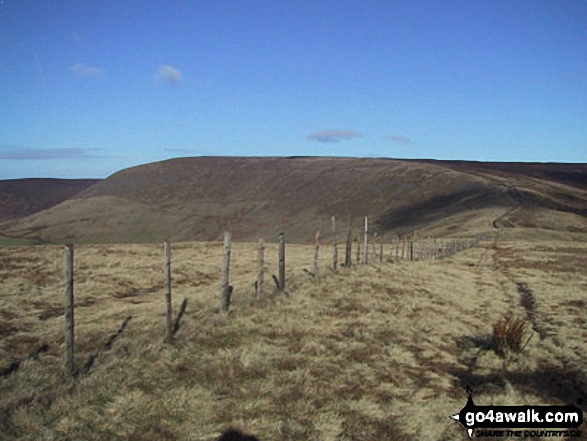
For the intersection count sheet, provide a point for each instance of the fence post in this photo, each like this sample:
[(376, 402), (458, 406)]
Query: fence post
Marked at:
[(261, 274), (381, 249), (358, 259), (281, 262), (168, 308), (334, 244), (316, 253), (69, 305), (225, 288), (366, 243), (349, 244), (396, 239), (374, 247)]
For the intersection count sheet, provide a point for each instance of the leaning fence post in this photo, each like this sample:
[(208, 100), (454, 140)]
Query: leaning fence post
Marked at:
[(316, 253), (334, 244), (281, 262), (366, 243), (69, 305), (349, 244), (168, 309), (225, 288), (261, 274)]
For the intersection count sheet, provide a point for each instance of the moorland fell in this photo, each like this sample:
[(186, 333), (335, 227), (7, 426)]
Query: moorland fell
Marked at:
[(199, 198), (383, 351)]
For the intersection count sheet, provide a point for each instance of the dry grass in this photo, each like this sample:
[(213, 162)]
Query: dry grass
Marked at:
[(372, 353), (510, 335)]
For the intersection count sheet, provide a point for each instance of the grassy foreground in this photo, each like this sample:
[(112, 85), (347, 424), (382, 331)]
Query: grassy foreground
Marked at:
[(377, 352)]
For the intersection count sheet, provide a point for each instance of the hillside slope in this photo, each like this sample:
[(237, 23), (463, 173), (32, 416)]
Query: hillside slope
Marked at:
[(23, 197), (198, 198)]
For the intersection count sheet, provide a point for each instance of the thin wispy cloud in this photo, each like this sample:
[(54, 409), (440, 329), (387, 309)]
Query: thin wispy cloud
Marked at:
[(400, 139), (12, 153), (84, 71), (333, 135), (168, 74)]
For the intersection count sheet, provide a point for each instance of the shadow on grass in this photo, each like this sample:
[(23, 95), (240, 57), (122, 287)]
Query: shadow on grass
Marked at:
[(236, 435), (551, 383)]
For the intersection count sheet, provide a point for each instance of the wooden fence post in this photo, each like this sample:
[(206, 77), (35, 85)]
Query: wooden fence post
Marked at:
[(358, 259), (396, 239), (374, 247), (316, 252), (225, 288), (349, 244), (69, 305), (168, 306), (366, 243), (334, 244), (281, 262), (261, 274), (381, 249)]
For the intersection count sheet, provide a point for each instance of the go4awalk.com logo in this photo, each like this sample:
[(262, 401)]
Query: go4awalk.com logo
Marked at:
[(519, 421)]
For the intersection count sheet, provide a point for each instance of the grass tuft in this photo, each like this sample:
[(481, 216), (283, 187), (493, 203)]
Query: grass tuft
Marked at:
[(510, 335)]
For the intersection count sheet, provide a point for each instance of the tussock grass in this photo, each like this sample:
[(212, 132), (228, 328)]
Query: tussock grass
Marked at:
[(377, 352), (510, 335)]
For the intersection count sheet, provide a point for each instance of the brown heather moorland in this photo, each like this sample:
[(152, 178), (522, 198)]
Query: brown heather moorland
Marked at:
[(23, 197), (194, 199), (374, 352)]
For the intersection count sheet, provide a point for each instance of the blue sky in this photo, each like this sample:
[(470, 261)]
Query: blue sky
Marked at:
[(90, 87)]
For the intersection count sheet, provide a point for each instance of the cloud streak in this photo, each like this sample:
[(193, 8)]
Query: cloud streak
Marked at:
[(81, 70), (334, 135), (400, 139), (9, 153), (168, 74)]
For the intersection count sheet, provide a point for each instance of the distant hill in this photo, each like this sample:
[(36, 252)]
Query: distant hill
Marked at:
[(199, 198), (23, 197)]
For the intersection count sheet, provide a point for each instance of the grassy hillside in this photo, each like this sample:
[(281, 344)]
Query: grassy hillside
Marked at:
[(198, 198), (377, 352), (23, 197)]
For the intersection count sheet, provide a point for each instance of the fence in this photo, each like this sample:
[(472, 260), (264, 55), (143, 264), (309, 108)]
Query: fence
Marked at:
[(375, 248)]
